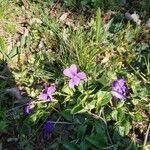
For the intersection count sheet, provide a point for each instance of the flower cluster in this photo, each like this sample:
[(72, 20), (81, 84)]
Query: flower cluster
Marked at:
[(119, 89), (47, 94)]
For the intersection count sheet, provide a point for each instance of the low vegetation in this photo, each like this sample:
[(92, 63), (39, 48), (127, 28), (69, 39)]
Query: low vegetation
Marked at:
[(74, 75)]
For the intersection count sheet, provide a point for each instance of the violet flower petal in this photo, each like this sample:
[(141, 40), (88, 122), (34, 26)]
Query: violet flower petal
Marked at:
[(50, 97), (76, 80), (70, 72), (45, 88), (124, 89), (121, 82), (48, 128), (118, 95), (115, 85), (81, 75), (71, 83), (67, 72), (28, 108), (43, 96), (51, 90), (73, 69)]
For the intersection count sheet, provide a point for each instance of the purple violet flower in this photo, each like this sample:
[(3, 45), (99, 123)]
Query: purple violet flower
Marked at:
[(75, 77), (119, 89), (47, 93), (48, 128), (28, 108)]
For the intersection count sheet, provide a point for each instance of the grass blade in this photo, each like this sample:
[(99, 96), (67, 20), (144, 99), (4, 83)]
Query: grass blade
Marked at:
[(98, 25)]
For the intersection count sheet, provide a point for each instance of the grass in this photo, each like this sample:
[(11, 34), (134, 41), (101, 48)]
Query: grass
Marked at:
[(37, 45)]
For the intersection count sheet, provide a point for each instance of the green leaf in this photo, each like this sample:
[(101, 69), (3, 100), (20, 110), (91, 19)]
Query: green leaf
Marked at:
[(135, 101), (78, 109), (70, 146), (67, 90), (137, 116), (127, 126), (81, 131), (3, 47), (13, 52), (2, 44), (3, 126), (23, 41), (98, 140), (103, 98), (114, 114), (67, 114), (100, 127), (121, 115), (120, 104), (81, 87), (84, 145), (116, 136), (91, 105), (121, 130), (131, 146), (33, 118), (98, 24)]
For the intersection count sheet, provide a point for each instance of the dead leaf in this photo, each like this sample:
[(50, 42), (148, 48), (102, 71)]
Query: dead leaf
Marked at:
[(22, 30), (107, 16), (148, 23), (133, 17), (36, 20), (41, 45), (66, 19), (64, 16), (106, 58)]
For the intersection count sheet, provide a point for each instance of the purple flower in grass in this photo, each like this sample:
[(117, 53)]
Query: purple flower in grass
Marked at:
[(47, 93), (119, 89), (75, 77), (47, 129), (28, 108)]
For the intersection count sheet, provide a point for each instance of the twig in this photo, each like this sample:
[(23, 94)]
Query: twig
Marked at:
[(96, 116), (146, 137), (61, 122), (54, 5), (107, 129), (104, 120)]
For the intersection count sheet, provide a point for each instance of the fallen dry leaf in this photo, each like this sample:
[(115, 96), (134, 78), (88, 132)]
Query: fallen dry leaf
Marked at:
[(64, 16), (35, 20), (133, 17), (66, 19), (107, 16)]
